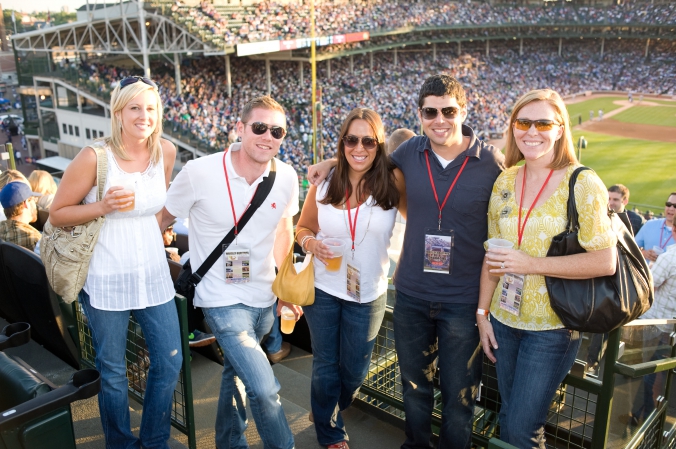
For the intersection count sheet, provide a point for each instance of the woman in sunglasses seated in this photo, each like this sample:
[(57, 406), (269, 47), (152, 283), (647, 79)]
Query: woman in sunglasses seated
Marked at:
[(532, 350), (352, 211), (128, 272)]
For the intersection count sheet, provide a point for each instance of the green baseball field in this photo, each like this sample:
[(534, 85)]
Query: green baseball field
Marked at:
[(634, 144)]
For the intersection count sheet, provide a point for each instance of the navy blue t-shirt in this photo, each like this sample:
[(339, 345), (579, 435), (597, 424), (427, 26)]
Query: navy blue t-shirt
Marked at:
[(465, 213)]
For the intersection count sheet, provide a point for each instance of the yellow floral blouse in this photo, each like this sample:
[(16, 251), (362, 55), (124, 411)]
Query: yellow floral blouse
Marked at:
[(546, 221)]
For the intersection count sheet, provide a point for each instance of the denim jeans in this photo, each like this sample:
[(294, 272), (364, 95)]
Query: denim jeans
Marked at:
[(273, 344), (239, 330), (430, 334), (162, 336), (530, 366), (343, 334)]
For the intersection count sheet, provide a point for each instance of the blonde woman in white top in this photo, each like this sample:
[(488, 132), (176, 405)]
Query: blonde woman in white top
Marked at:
[(357, 206), (128, 271)]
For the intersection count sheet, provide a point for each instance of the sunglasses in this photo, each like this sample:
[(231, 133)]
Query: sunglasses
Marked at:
[(524, 124), (169, 229), (431, 113), (668, 204), (368, 143), (259, 129), (135, 79)]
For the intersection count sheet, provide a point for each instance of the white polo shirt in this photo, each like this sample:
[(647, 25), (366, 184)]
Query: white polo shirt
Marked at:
[(200, 193)]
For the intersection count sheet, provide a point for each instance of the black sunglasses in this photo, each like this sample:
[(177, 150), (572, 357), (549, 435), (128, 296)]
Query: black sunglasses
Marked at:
[(668, 204), (259, 129), (432, 113), (368, 143), (135, 79), (524, 124)]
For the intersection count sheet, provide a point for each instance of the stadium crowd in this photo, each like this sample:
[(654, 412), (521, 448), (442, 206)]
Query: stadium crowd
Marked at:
[(270, 21), (204, 111)]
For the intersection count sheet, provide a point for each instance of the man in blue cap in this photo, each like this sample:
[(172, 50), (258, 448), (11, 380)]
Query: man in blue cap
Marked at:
[(18, 202)]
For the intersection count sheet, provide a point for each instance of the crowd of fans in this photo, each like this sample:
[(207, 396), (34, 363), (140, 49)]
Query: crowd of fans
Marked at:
[(204, 111), (270, 21)]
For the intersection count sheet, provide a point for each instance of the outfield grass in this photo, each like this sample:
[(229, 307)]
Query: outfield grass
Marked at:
[(642, 165), (583, 108), (649, 115)]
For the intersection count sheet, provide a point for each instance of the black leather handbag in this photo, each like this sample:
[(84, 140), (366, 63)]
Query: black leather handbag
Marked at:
[(604, 303)]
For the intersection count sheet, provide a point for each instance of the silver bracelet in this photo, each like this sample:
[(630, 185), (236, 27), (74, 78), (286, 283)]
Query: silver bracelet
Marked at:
[(304, 240)]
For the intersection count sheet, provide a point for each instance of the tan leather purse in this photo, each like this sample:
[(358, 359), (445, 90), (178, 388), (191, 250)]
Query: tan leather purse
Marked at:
[(293, 287), (66, 252)]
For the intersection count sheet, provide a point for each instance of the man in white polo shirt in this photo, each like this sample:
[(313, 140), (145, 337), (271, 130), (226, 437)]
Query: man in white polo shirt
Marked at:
[(236, 294)]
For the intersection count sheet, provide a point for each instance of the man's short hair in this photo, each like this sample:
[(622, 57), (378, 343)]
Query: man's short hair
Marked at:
[(672, 194), (621, 189), (13, 211), (398, 137), (263, 102), (440, 85)]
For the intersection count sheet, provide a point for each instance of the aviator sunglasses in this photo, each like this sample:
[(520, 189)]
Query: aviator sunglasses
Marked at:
[(524, 124), (668, 204), (368, 143), (449, 113), (135, 79), (259, 129)]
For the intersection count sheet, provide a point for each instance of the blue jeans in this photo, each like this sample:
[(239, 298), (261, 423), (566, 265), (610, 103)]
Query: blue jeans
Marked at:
[(163, 338), (530, 366), (430, 334), (273, 344), (239, 329), (343, 334)]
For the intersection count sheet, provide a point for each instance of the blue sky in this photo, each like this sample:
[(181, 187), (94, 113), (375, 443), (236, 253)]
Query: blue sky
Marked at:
[(43, 5)]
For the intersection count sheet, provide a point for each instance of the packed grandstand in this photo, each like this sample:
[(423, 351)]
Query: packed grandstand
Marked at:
[(494, 76)]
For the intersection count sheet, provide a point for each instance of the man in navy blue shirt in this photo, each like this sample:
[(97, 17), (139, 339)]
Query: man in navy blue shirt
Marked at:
[(449, 176)]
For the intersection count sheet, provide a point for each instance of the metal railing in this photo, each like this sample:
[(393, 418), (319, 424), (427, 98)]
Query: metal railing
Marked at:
[(591, 409), (138, 363)]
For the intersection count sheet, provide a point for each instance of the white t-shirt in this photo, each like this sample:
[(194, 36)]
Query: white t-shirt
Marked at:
[(200, 193), (372, 239)]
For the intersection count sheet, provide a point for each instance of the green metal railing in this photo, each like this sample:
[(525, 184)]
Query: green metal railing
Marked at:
[(138, 363), (589, 411)]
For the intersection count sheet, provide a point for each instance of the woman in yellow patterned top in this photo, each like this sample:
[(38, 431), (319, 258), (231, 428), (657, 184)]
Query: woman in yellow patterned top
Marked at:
[(525, 338)]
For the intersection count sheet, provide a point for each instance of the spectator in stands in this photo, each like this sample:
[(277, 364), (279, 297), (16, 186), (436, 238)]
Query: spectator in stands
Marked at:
[(526, 340), (128, 272), (169, 237), (371, 189), (655, 235), (238, 305), (18, 203), (9, 176), (43, 182), (398, 137), (618, 198)]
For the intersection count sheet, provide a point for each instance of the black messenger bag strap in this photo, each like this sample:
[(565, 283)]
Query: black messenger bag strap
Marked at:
[(261, 194)]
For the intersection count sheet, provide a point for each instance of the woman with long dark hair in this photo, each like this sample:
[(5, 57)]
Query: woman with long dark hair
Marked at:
[(354, 208)]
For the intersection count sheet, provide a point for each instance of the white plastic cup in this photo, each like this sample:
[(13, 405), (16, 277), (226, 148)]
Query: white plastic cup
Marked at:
[(129, 184), (499, 243), (337, 247), (288, 320), (171, 249)]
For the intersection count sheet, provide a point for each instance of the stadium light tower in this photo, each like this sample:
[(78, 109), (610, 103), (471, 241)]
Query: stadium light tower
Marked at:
[(313, 65)]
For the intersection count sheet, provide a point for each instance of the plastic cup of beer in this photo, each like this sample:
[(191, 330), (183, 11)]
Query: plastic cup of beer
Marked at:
[(288, 320), (129, 186), (499, 243), (337, 247)]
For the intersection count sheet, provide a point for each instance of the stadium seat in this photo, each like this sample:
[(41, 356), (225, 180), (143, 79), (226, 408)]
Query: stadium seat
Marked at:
[(30, 291), (34, 414), (8, 310)]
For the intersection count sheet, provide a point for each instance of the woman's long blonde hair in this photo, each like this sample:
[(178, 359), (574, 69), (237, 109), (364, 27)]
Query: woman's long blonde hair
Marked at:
[(42, 182), (564, 151), (118, 100)]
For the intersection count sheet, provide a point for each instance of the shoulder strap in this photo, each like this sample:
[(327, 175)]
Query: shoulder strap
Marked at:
[(262, 192), (101, 168), (573, 220)]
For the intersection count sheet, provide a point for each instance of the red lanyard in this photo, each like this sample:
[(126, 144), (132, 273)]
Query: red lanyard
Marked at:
[(434, 189), (661, 231), (519, 228), (353, 227), (232, 205)]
